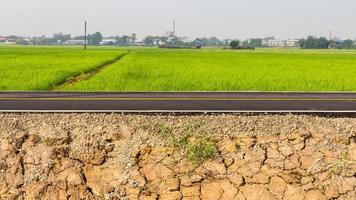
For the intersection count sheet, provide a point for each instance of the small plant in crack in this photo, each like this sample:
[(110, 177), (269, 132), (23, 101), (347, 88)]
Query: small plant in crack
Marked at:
[(180, 142), (177, 140), (201, 150), (192, 127), (196, 149), (164, 131), (342, 164)]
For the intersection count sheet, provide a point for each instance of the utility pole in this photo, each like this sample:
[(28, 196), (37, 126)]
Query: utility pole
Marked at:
[(85, 35)]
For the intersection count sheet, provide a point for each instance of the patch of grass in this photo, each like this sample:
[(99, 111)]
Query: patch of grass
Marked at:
[(342, 164), (177, 140), (202, 150), (196, 149), (164, 131), (181, 142)]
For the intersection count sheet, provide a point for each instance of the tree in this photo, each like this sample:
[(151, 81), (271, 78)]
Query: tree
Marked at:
[(175, 41), (122, 41), (149, 40), (78, 38), (226, 42), (348, 43), (309, 43), (255, 42), (323, 43), (198, 43), (61, 38), (12, 37), (45, 41), (302, 43), (314, 43), (132, 38), (212, 41), (234, 43), (246, 43), (163, 38), (95, 38), (21, 41), (252, 43)]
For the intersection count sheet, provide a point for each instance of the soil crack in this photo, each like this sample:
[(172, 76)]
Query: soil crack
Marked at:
[(86, 75)]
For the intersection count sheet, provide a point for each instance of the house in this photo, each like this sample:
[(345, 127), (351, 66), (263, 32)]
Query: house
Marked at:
[(4, 40), (10, 41), (158, 42), (336, 43), (139, 43), (108, 42), (266, 40), (75, 42)]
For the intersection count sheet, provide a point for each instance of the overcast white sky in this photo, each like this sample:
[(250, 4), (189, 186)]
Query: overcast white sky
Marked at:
[(222, 18)]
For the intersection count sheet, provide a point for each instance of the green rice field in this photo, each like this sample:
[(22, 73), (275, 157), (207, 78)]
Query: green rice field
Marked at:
[(42, 68), (151, 69)]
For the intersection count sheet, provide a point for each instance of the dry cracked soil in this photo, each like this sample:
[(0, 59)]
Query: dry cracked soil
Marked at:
[(117, 156)]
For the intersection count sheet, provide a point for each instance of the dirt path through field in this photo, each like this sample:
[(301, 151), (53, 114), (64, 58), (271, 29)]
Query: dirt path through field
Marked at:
[(85, 76), (113, 156)]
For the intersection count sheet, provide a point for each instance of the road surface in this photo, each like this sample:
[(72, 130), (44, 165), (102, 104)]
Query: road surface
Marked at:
[(176, 102)]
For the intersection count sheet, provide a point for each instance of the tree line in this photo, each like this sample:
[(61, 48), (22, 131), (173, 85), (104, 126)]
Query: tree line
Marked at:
[(322, 43), (96, 38)]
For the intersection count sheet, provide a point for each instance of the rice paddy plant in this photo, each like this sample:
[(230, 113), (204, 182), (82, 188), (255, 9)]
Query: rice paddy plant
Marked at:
[(42, 68), (226, 70)]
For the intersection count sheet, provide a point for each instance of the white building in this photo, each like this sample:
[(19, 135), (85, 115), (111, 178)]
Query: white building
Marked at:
[(139, 43), (4, 40), (158, 42), (108, 42), (275, 43), (290, 43), (11, 41), (75, 42)]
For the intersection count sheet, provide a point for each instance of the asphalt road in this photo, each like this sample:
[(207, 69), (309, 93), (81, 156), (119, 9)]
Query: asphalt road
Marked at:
[(177, 102)]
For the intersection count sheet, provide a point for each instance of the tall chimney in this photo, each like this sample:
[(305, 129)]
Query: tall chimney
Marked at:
[(174, 27)]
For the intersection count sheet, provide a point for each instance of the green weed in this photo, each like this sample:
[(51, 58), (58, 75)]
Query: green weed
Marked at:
[(196, 149), (201, 151)]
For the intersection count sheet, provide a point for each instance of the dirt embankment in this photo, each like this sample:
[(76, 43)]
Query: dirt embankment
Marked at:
[(100, 156)]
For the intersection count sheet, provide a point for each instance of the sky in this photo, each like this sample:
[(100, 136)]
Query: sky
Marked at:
[(194, 18)]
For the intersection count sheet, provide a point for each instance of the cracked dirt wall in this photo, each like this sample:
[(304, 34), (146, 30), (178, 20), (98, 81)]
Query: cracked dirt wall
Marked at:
[(113, 156)]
